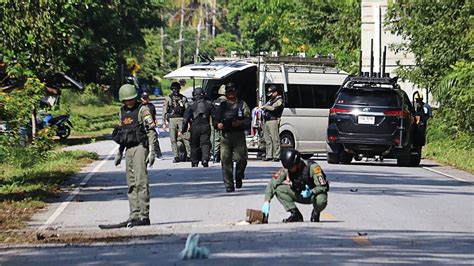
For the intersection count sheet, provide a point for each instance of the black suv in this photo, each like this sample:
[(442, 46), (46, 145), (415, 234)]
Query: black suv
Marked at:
[(373, 116)]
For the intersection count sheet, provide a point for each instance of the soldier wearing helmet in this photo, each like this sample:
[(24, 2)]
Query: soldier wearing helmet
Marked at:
[(173, 111), (136, 135), (301, 181), (273, 110), (232, 118), (198, 114)]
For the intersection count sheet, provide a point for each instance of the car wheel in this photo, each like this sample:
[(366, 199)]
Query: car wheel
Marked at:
[(415, 156), (333, 158), (345, 157), (287, 141), (403, 157)]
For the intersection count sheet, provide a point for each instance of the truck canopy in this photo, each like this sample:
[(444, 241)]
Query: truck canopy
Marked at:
[(212, 70)]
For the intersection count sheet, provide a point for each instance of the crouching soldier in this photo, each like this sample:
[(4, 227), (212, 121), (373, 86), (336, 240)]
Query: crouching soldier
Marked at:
[(136, 135), (301, 181)]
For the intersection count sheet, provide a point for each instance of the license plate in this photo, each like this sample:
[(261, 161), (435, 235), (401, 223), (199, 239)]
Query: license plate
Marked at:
[(367, 120)]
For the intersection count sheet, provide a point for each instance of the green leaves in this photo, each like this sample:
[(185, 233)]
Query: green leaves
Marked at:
[(440, 36)]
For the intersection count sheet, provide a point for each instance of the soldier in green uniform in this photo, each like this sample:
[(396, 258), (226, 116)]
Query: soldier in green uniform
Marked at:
[(232, 117), (173, 110), (216, 133), (301, 181), (272, 114), (136, 135)]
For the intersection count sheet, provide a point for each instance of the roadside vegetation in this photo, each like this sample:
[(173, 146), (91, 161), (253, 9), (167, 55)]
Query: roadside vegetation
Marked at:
[(28, 179), (441, 38)]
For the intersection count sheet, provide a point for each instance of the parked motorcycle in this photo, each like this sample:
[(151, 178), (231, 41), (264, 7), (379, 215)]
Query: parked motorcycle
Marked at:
[(62, 123)]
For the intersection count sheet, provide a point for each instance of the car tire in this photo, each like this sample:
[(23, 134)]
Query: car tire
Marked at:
[(333, 158), (287, 141), (345, 157), (415, 156), (403, 157)]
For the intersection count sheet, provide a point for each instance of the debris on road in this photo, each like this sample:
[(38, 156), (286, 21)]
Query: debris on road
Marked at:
[(255, 217), (354, 190), (192, 250)]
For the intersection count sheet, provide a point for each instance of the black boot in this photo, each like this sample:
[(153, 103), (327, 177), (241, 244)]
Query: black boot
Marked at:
[(205, 164), (193, 164), (315, 216), (141, 222), (176, 160), (295, 216), (238, 183)]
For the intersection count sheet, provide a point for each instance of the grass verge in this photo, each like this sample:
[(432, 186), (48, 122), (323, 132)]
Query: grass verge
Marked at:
[(448, 145), (24, 191), (452, 152)]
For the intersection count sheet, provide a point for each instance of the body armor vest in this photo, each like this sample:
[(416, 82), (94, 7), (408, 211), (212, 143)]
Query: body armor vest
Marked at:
[(177, 106), (306, 178), (130, 133), (201, 109), (229, 114), (269, 115)]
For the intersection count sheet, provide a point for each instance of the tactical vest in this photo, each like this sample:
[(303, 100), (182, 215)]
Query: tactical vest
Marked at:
[(306, 178), (177, 106), (272, 115), (201, 110), (130, 133), (228, 115)]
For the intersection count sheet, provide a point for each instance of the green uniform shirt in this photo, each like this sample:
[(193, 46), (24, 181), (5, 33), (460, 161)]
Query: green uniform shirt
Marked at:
[(281, 177)]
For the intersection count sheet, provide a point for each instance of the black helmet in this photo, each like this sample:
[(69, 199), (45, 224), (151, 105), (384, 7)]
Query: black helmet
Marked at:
[(175, 86), (271, 89), (145, 95), (230, 87), (289, 158), (198, 91)]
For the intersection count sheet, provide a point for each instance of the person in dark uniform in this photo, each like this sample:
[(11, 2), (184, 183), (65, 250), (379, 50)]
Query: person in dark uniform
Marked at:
[(301, 181), (232, 118), (136, 135), (273, 110), (145, 98), (173, 110), (198, 114)]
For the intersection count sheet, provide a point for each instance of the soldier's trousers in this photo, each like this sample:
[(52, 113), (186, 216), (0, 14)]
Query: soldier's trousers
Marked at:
[(272, 138), (288, 197), (137, 180), (175, 125), (233, 148), (215, 141), (200, 143)]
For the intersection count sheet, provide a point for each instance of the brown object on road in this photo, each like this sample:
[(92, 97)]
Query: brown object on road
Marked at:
[(255, 217)]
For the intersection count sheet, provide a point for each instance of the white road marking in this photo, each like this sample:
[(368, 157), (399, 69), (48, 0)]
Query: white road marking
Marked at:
[(76, 191), (441, 173)]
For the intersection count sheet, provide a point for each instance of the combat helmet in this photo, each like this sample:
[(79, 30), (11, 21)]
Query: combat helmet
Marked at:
[(127, 92), (290, 158)]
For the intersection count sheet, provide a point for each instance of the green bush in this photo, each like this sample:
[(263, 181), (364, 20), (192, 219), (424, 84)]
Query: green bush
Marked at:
[(93, 94)]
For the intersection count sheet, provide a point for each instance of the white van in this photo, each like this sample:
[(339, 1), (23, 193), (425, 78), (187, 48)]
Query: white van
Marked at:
[(309, 86)]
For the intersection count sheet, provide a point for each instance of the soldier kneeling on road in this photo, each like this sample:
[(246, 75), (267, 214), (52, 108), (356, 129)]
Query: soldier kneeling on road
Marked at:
[(301, 181)]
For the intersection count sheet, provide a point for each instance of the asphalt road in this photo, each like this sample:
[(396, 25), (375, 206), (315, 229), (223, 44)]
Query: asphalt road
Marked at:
[(378, 213)]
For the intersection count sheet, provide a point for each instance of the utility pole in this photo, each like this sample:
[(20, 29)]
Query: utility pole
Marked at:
[(214, 9), (198, 38), (181, 25), (162, 38)]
